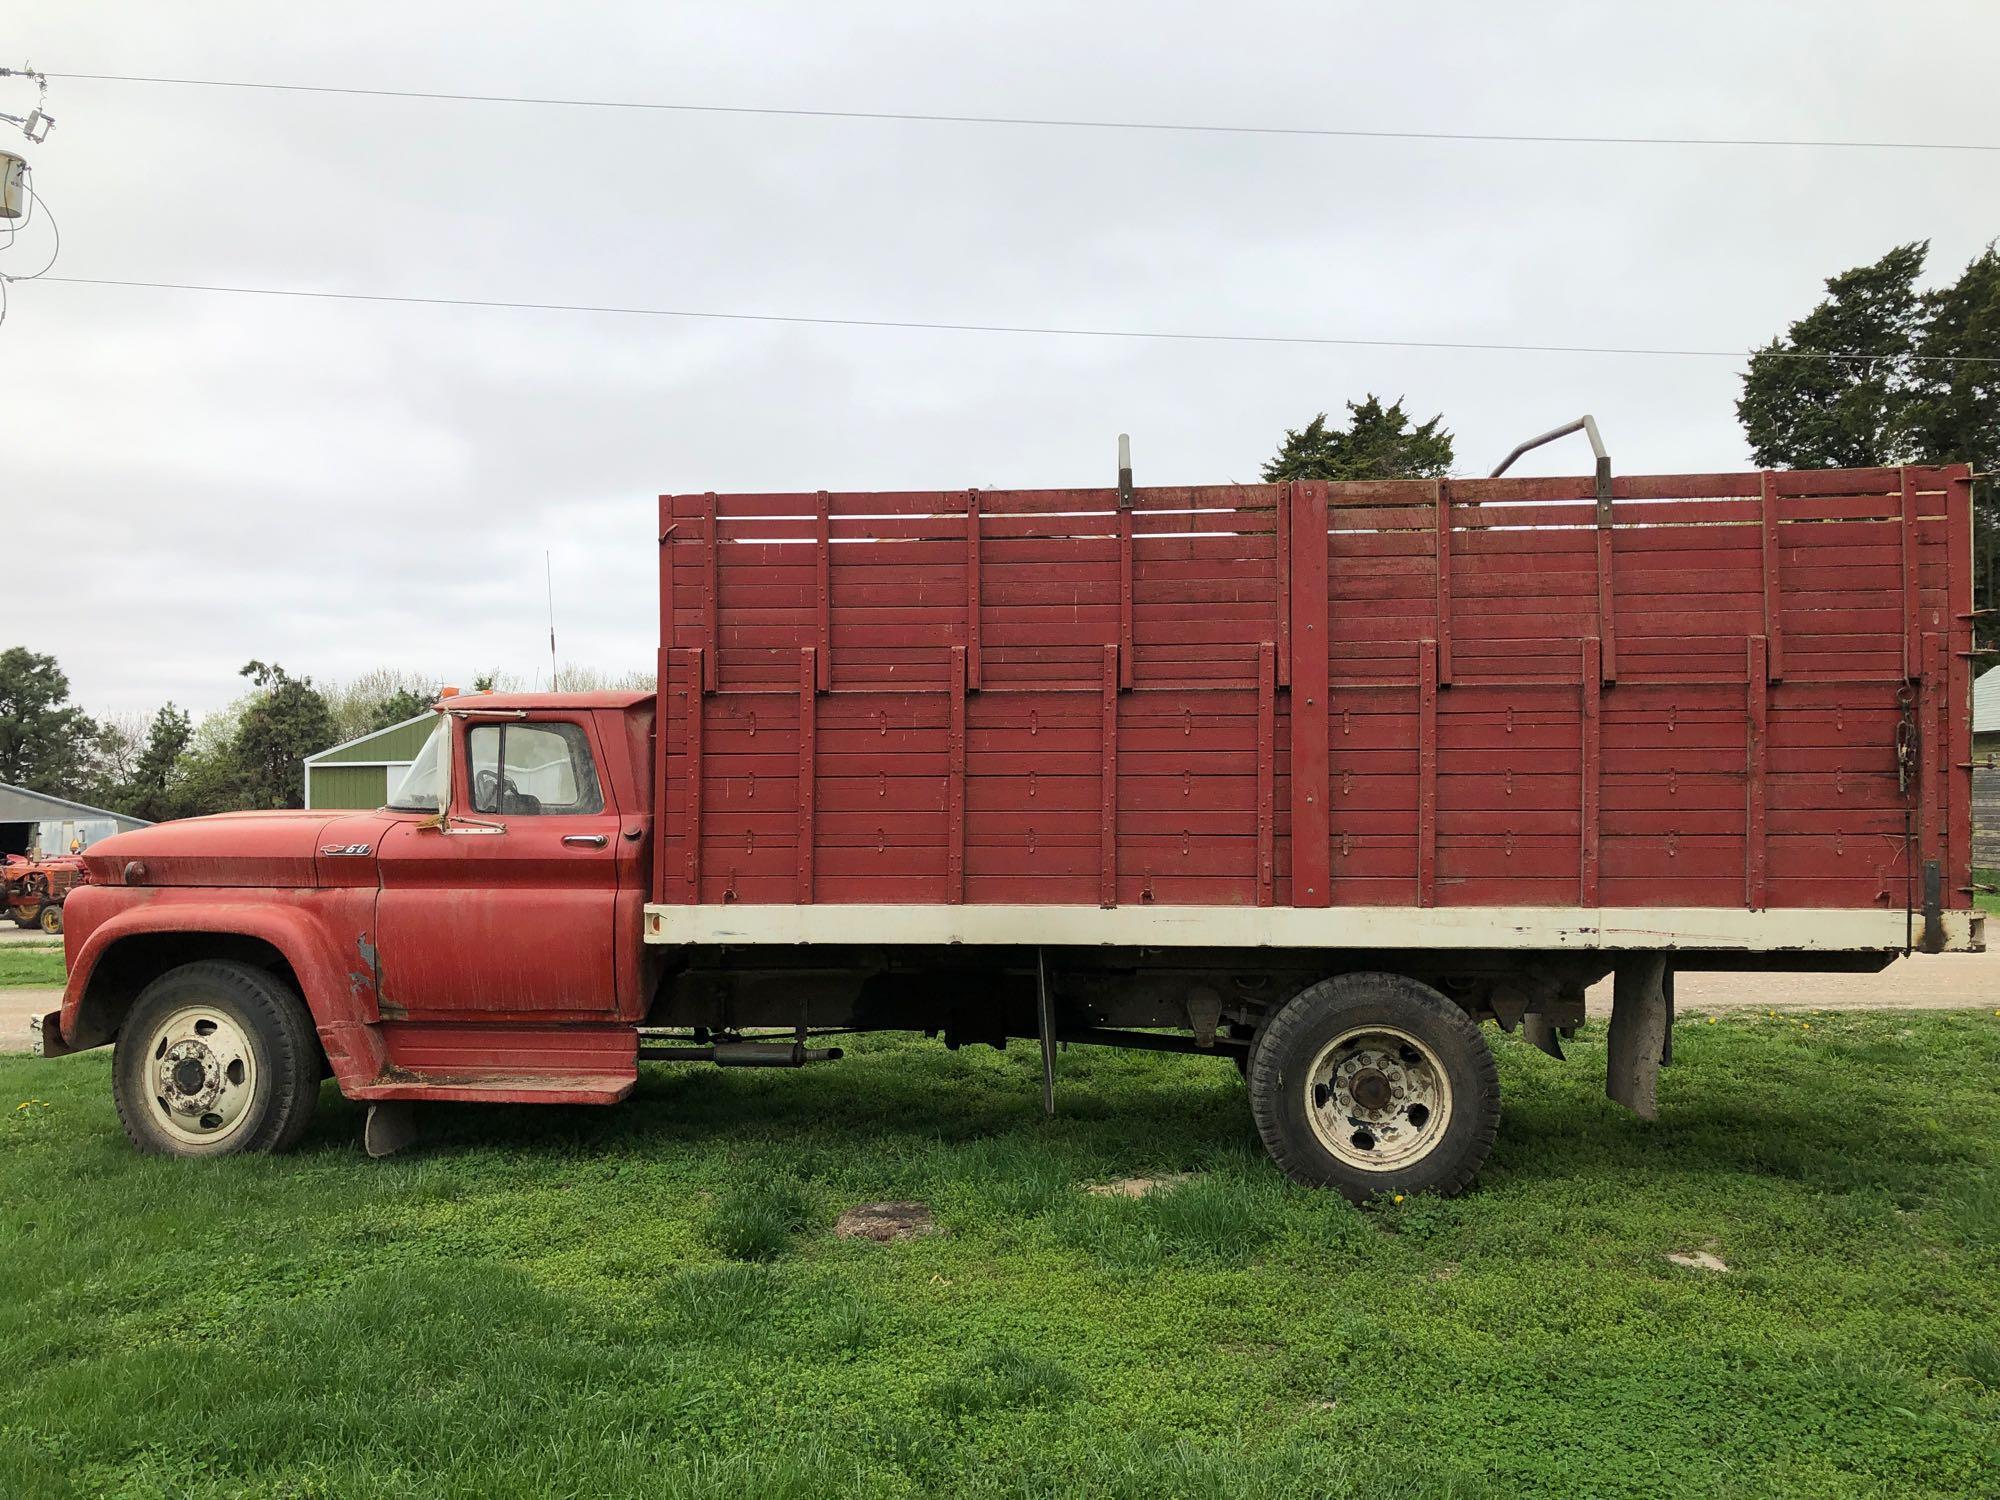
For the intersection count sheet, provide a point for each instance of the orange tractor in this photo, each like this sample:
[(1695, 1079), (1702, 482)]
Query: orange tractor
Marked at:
[(32, 891)]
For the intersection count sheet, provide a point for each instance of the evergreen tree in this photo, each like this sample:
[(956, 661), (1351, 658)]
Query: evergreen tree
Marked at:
[(47, 743), (1377, 443), (285, 722)]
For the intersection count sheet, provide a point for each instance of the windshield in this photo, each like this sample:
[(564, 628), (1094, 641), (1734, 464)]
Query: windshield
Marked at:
[(423, 784)]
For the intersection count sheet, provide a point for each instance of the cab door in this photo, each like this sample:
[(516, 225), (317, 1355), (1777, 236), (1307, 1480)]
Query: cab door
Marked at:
[(509, 907)]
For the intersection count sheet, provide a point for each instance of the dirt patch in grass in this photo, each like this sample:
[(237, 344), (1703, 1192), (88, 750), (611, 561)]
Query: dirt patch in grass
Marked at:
[(883, 1222), (1139, 1187)]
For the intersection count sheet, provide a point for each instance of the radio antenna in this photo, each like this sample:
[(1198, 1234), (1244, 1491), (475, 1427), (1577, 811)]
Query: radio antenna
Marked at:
[(549, 578)]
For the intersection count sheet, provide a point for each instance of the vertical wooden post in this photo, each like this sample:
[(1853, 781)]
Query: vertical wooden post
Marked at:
[(972, 590), (1590, 800), (1934, 733), (691, 758), (1774, 594), (1107, 812), (1607, 593), (1124, 595), (1312, 826), (1429, 654), (1757, 749), (1286, 502), (663, 698), (1957, 706), (1267, 774), (823, 559), (710, 594), (1912, 583), (1441, 501), (954, 876), (808, 833)]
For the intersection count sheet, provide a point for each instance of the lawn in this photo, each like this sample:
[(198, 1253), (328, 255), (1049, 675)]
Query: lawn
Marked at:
[(34, 965), (1986, 900), (649, 1300)]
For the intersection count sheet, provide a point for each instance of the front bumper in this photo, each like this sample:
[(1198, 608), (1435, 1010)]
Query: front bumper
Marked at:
[(46, 1038)]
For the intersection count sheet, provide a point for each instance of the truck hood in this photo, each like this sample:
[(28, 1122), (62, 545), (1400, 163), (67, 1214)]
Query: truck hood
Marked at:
[(270, 849)]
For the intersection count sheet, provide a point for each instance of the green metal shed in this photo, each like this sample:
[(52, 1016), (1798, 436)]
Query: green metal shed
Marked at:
[(362, 772)]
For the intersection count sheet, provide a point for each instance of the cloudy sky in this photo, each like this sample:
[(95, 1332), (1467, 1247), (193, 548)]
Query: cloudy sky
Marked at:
[(189, 480)]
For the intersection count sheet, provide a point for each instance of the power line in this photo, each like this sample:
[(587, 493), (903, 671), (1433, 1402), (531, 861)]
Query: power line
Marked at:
[(1039, 122), (1028, 329)]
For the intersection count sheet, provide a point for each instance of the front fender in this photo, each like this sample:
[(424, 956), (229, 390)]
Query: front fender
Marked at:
[(324, 936)]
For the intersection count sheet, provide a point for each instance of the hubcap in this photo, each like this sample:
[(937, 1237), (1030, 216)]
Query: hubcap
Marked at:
[(203, 1074), (1378, 1098)]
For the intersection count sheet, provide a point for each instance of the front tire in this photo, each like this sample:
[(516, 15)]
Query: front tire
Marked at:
[(216, 1059), (1375, 1083), (51, 921)]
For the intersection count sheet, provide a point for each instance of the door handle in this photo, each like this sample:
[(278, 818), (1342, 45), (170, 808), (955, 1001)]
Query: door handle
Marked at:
[(585, 840)]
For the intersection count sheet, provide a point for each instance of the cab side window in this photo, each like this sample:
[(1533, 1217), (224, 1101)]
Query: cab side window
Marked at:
[(521, 770)]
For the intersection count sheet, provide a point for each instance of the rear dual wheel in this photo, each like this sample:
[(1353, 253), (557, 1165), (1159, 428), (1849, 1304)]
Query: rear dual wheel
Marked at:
[(1372, 1084)]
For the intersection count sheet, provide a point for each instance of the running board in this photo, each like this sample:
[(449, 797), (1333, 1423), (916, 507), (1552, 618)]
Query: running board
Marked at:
[(486, 1087), (483, 1062)]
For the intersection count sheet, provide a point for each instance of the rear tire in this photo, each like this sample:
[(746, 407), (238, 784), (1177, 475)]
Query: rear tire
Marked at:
[(1372, 1084), (216, 1059), (28, 917)]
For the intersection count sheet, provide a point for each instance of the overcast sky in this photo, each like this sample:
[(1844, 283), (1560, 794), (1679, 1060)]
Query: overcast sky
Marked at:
[(189, 480)]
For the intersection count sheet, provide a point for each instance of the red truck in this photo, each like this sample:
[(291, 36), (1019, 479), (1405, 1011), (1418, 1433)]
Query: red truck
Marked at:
[(1314, 777)]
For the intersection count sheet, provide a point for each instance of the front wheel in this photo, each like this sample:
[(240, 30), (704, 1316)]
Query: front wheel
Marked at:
[(1375, 1083), (51, 920), (216, 1059)]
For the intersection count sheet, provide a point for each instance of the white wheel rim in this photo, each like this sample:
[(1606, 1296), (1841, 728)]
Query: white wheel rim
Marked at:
[(201, 1075), (1378, 1098)]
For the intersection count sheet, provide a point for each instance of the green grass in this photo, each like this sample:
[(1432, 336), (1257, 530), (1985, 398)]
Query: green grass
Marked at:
[(32, 965), (1986, 900), (649, 1300)]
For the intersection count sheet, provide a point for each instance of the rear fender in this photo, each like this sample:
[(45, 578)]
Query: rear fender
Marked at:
[(304, 934)]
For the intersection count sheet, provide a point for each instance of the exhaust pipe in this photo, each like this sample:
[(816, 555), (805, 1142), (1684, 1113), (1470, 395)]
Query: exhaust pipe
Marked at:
[(745, 1054)]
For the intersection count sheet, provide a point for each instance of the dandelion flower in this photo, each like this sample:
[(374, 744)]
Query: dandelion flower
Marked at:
[(1399, 1197)]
